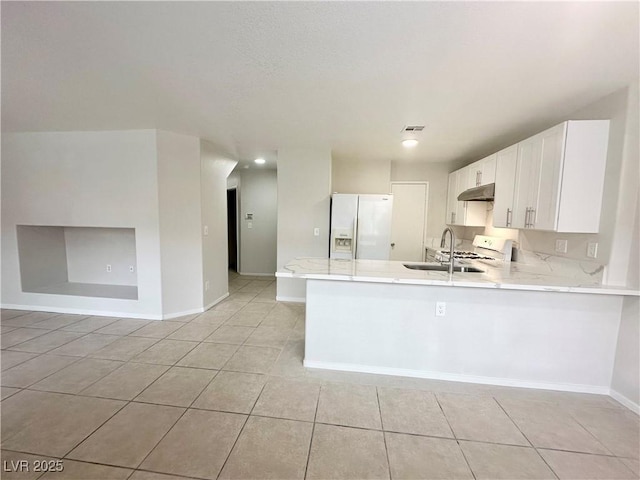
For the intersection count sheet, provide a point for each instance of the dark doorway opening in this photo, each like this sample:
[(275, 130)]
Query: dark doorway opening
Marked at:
[(232, 229)]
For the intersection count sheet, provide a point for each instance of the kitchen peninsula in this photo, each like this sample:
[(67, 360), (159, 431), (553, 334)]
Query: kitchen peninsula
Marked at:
[(514, 324)]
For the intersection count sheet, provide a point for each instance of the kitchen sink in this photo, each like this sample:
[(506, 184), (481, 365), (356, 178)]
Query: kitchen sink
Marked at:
[(439, 267)]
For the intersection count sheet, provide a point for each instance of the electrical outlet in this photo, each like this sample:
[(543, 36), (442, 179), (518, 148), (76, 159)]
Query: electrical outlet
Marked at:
[(561, 246), (206, 230), (131, 269), (441, 309), (206, 285), (592, 250), (316, 232), (108, 268), (249, 225)]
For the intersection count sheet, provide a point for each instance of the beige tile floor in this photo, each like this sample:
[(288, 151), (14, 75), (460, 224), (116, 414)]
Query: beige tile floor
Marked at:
[(224, 395)]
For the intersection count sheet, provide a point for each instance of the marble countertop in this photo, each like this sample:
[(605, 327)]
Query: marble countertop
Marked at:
[(541, 276)]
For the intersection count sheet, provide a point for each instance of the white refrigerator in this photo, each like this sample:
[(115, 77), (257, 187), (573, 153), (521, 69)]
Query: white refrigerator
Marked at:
[(360, 226)]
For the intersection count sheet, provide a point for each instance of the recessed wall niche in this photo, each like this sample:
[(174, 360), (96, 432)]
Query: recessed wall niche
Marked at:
[(80, 261)]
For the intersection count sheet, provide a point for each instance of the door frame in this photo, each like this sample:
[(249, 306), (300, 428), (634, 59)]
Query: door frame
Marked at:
[(426, 207), (237, 195)]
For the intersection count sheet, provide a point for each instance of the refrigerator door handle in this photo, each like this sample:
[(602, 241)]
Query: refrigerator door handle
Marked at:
[(355, 238)]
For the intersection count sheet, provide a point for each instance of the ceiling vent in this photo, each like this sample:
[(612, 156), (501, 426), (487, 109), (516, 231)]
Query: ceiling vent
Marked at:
[(413, 128)]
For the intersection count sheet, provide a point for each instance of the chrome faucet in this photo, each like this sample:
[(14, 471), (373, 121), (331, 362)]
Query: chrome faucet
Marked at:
[(451, 246)]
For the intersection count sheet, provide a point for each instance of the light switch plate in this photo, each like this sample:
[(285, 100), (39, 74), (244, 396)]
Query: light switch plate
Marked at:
[(592, 250), (316, 232)]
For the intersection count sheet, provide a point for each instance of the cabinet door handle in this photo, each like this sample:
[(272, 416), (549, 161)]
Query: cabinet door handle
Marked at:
[(479, 178), (526, 218), (509, 217), (532, 217)]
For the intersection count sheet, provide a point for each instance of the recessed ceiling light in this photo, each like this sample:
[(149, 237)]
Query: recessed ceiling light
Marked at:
[(259, 161), (409, 143)]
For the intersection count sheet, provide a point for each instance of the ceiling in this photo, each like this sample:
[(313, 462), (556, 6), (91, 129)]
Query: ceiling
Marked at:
[(254, 77)]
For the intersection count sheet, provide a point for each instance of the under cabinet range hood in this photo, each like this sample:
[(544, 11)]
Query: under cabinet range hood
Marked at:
[(483, 193)]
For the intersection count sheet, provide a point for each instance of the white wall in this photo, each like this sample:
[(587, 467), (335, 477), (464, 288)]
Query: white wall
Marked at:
[(216, 165), (81, 179), (625, 384), (180, 223), (43, 256), (233, 180), (360, 176), (633, 277), (89, 250), (259, 196), (304, 189)]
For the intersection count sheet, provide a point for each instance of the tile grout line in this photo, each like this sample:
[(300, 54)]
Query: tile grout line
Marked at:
[(457, 440), (313, 431), (513, 421), (235, 442), (384, 436), (84, 334), (163, 436), (28, 387), (586, 429), (19, 363), (84, 388), (240, 432), (526, 438), (65, 457), (186, 409)]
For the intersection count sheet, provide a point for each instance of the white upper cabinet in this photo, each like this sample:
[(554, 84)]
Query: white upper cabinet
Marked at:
[(452, 201), (482, 172), (559, 179), (505, 180), (552, 181), (471, 214)]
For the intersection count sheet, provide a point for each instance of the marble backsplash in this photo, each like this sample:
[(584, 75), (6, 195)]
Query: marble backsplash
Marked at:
[(584, 271)]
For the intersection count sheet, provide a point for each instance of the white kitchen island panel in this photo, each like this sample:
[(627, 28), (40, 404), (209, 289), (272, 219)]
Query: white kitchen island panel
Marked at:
[(503, 337)]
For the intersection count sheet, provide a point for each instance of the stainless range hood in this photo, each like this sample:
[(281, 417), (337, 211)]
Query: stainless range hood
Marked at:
[(484, 193)]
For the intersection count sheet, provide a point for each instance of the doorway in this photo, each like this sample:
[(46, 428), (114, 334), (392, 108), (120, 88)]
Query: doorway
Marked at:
[(232, 228), (409, 220)]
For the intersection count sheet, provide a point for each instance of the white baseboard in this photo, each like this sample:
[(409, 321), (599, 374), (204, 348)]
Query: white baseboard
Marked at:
[(82, 311), (169, 316), (102, 313), (630, 404), (291, 299), (504, 382), (215, 302)]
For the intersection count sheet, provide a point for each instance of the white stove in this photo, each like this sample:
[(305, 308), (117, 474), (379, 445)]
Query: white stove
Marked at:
[(485, 248), (463, 255)]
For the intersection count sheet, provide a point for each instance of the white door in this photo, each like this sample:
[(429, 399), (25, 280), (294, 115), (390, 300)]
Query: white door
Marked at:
[(408, 221)]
